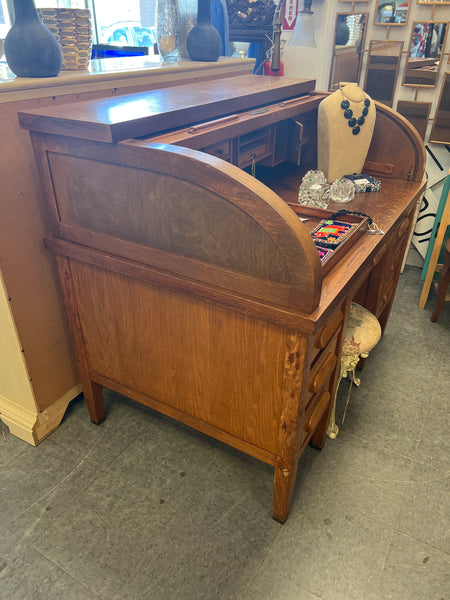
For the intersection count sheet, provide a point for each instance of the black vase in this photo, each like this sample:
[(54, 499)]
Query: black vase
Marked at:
[(203, 41), (31, 50)]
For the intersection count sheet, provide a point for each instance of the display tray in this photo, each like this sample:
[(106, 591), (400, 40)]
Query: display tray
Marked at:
[(331, 253)]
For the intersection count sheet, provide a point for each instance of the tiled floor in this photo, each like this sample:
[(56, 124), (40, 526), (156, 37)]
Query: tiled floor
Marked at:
[(144, 508)]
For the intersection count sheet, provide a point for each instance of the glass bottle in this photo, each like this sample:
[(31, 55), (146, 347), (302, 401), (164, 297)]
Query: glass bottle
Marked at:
[(168, 30)]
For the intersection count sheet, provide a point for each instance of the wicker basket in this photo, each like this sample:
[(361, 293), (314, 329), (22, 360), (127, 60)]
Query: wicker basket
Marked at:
[(73, 29)]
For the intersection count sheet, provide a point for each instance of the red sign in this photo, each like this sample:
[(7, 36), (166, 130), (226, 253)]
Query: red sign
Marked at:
[(290, 14)]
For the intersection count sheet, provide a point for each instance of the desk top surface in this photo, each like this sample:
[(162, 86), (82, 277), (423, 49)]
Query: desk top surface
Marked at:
[(145, 113)]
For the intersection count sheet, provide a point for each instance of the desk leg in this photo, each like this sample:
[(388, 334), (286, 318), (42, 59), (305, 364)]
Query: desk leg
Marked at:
[(290, 425), (93, 392), (93, 396)]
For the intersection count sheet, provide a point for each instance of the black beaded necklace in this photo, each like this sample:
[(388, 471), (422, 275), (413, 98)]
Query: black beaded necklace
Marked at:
[(353, 122)]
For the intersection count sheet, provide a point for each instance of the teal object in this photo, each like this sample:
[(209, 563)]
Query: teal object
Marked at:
[(437, 221)]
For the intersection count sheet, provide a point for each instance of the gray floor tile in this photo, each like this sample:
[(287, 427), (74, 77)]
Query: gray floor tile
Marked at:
[(388, 414), (30, 576), (272, 586), (11, 447), (31, 476), (336, 559), (52, 509), (207, 558), (353, 475), (425, 513), (124, 421), (415, 571), (166, 456), (104, 533), (10, 546), (434, 438)]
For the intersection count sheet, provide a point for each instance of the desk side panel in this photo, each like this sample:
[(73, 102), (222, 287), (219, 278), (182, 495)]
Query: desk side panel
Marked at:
[(189, 358)]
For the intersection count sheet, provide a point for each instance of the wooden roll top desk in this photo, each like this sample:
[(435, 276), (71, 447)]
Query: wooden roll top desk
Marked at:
[(192, 286)]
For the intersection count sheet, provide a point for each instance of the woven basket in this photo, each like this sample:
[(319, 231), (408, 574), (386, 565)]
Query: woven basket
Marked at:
[(73, 29)]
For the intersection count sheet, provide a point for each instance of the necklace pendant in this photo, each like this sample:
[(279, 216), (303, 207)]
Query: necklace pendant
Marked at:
[(345, 104), (348, 114), (355, 130), (361, 121), (352, 122)]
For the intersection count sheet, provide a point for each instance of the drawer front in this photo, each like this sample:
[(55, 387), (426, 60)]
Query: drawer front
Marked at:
[(391, 265), (326, 351), (220, 150), (322, 371), (254, 146)]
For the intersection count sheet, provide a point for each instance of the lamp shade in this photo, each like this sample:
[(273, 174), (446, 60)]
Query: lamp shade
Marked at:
[(303, 34)]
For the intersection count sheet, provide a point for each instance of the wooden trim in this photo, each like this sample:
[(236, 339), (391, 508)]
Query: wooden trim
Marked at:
[(173, 413)]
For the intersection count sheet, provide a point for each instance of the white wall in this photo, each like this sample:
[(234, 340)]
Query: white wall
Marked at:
[(315, 63)]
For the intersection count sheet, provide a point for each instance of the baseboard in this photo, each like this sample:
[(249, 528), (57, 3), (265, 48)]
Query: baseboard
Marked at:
[(34, 427)]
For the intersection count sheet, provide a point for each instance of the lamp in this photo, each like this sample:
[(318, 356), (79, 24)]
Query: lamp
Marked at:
[(303, 34)]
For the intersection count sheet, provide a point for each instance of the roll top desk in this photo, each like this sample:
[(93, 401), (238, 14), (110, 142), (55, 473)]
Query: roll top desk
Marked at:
[(191, 285)]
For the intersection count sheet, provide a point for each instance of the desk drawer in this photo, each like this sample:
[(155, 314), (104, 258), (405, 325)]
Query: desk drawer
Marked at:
[(220, 150), (254, 146)]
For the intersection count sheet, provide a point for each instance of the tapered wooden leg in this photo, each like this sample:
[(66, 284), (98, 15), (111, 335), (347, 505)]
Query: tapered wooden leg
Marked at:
[(290, 424), (93, 392), (283, 489), (93, 395)]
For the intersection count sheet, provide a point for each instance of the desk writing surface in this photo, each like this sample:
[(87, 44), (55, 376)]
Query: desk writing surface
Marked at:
[(387, 208)]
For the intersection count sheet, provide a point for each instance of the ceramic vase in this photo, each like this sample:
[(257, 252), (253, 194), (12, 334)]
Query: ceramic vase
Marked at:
[(168, 30), (31, 50), (203, 42)]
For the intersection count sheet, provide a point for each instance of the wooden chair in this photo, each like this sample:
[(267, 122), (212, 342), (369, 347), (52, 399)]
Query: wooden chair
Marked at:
[(362, 334), (444, 280)]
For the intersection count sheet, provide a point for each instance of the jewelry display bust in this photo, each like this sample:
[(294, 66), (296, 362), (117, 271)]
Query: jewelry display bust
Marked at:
[(346, 121)]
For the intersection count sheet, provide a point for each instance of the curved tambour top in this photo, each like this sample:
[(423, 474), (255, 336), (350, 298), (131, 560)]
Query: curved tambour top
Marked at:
[(184, 212), (397, 150)]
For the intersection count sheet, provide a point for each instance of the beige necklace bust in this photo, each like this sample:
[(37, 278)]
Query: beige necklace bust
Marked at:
[(346, 120)]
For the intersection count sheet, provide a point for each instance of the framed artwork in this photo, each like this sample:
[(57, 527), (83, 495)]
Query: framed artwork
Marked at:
[(392, 13), (436, 2), (383, 64), (440, 131), (425, 49)]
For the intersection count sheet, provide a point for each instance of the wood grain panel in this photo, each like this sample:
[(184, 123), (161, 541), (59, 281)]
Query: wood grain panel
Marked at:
[(162, 212), (216, 365)]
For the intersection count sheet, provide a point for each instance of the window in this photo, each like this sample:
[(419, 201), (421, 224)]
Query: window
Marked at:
[(130, 23)]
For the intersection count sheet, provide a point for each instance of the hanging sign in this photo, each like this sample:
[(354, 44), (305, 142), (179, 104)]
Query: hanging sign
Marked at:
[(290, 14)]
